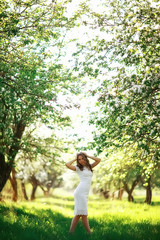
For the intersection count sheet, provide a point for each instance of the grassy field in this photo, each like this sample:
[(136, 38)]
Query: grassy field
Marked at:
[(49, 218)]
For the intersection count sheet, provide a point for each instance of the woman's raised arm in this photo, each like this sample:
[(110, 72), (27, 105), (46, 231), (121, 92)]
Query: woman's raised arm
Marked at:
[(70, 166)]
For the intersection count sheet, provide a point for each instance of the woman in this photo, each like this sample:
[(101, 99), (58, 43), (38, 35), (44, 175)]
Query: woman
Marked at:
[(85, 172)]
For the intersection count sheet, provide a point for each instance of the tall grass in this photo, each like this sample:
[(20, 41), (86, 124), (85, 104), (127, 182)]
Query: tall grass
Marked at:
[(49, 218)]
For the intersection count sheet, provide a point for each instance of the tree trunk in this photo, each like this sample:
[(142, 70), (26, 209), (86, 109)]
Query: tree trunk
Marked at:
[(35, 184), (24, 190), (5, 170), (13, 181), (34, 191), (130, 191), (130, 197), (120, 193), (45, 191), (6, 167), (113, 195), (148, 192)]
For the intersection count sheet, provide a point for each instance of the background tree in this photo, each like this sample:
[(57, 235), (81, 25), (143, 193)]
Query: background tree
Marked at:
[(39, 161), (118, 173), (29, 80), (124, 55)]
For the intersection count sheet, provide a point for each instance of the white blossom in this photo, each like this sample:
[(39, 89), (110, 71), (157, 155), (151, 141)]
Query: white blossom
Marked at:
[(41, 176)]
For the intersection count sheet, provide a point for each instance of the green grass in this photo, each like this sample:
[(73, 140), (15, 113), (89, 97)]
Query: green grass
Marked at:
[(49, 219)]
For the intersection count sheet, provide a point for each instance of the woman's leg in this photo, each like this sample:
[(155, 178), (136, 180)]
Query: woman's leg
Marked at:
[(86, 223), (74, 223)]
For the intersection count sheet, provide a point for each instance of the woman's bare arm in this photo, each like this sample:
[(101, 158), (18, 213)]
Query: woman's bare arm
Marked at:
[(70, 166)]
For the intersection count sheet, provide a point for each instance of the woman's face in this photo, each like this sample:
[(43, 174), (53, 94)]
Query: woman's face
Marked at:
[(81, 160)]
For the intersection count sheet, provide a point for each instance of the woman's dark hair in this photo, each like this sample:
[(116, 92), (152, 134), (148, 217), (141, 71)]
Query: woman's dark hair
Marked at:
[(88, 165)]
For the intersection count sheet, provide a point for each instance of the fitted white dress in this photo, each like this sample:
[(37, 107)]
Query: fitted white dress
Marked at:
[(82, 191)]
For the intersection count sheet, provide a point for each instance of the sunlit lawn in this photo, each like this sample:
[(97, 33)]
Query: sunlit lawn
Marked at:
[(49, 218)]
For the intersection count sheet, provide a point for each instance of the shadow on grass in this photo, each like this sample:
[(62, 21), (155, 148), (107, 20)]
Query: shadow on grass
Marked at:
[(52, 196), (71, 198), (25, 224), (63, 204), (142, 201)]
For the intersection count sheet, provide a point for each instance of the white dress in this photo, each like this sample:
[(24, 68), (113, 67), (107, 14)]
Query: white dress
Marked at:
[(82, 191)]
